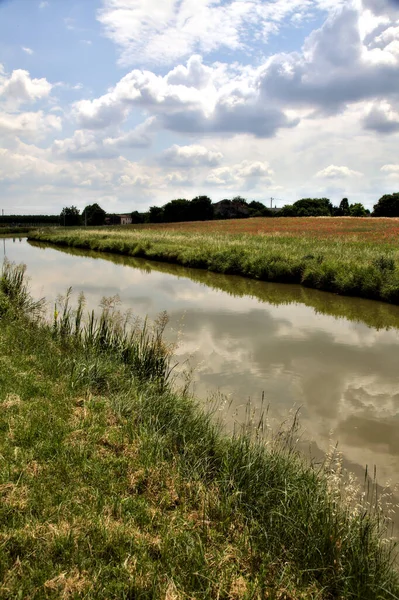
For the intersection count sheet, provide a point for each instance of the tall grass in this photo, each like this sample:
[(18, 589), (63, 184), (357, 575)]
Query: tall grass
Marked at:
[(343, 266), (113, 486), (139, 346), (14, 292)]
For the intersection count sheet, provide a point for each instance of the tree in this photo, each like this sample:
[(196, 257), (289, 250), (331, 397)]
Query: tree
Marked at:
[(93, 215), (387, 206), (176, 211), (344, 209), (358, 210), (138, 217), (70, 216), (201, 209), (288, 210), (257, 209), (313, 207), (155, 214)]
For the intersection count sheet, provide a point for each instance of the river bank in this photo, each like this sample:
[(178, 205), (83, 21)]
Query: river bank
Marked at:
[(340, 265), (115, 485)]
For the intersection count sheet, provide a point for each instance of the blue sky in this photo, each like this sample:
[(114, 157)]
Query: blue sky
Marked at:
[(131, 103)]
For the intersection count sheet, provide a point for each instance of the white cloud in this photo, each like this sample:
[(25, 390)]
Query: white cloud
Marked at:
[(20, 88), (191, 156), (44, 4), (86, 144), (244, 175), (178, 179), (139, 137), (70, 23), (335, 68), (37, 167), (392, 170), (382, 118), (334, 172), (28, 124), (27, 50), (339, 65), (82, 145), (227, 100), (153, 31), (14, 165), (136, 175)]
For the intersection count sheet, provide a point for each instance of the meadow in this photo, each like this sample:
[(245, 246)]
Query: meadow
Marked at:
[(380, 231), (116, 484), (349, 256)]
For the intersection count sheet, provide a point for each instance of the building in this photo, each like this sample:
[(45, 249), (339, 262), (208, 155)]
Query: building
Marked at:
[(118, 220)]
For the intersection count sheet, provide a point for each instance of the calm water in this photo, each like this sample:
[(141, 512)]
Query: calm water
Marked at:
[(335, 357)]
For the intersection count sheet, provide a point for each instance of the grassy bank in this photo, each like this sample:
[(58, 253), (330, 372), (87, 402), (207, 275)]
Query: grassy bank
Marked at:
[(15, 231), (114, 485), (343, 265), (379, 315)]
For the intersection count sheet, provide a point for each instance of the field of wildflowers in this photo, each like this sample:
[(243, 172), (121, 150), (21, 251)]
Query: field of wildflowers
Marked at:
[(381, 230)]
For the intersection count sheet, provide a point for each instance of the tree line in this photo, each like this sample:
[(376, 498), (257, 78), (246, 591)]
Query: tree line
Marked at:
[(201, 208)]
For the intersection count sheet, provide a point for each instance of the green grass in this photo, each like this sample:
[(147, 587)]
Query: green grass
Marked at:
[(6, 231), (379, 315), (343, 266), (116, 485)]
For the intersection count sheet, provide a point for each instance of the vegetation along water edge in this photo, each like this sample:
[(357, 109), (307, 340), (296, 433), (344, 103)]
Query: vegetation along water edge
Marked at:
[(357, 257), (379, 315), (116, 484)]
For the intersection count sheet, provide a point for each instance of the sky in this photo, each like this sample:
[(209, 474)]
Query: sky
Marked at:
[(132, 103)]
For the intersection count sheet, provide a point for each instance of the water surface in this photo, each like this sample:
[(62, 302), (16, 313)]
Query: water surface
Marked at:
[(334, 357)]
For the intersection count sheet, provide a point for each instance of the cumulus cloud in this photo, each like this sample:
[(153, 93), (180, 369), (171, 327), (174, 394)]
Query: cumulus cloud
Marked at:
[(139, 137), (191, 156), (351, 58), (390, 168), (28, 124), (82, 145), (243, 175), (335, 68), (20, 88), (382, 118), (226, 101), (27, 50), (334, 172), (89, 145), (392, 171), (136, 175), (37, 166), (14, 165), (178, 179)]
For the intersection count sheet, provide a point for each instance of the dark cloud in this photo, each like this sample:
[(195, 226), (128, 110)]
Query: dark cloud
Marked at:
[(254, 119), (378, 120), (382, 7)]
